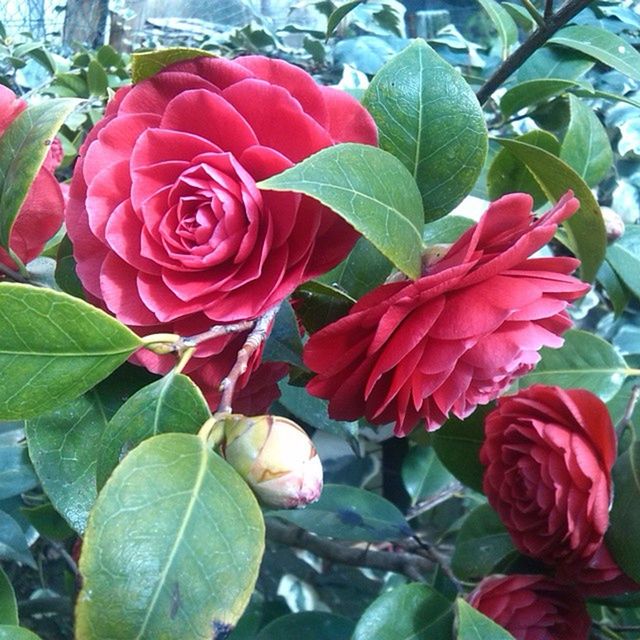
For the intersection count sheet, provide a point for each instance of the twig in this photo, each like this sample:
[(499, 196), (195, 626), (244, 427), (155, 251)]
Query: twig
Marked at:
[(625, 421), (14, 275), (552, 24), (548, 9), (434, 500), (409, 564), (533, 12), (432, 552)]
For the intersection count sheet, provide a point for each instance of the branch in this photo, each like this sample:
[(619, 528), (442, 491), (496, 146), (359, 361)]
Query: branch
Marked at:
[(552, 24), (411, 565)]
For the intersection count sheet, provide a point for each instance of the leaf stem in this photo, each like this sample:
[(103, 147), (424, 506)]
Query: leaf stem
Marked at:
[(553, 23), (533, 12), (13, 275)]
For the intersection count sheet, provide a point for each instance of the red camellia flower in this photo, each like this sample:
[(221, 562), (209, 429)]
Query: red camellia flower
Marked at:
[(532, 607), (548, 454), (41, 213), (458, 335)]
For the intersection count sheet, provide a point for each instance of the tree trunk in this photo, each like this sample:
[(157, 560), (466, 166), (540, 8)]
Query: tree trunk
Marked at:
[(85, 22)]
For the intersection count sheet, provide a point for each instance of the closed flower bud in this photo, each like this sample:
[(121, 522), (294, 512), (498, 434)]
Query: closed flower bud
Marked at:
[(276, 458)]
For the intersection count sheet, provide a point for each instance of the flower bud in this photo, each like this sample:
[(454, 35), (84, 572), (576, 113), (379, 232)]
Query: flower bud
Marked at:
[(276, 458)]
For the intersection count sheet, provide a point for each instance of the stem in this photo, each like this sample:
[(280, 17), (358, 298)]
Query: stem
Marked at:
[(184, 358), (409, 564), (434, 500), (548, 9), (432, 552), (625, 421), (533, 12), (14, 275), (552, 24)]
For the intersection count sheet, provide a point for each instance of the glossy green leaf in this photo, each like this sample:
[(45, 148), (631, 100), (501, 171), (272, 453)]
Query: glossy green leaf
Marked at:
[(284, 343), (554, 62), (424, 476), (24, 145), (585, 228), (339, 14), (65, 272), (473, 625), (310, 625), (16, 473), (482, 543), (429, 118), (11, 632), (624, 518), (172, 548), (504, 24), (458, 443), (532, 93), (624, 258), (446, 230), (370, 189), (147, 63), (520, 15), (586, 146), (63, 448), (349, 513), (409, 612), (8, 604), (173, 404), (362, 270), (320, 304), (584, 361), (604, 46), (507, 174), (54, 347), (615, 289), (97, 78), (13, 544)]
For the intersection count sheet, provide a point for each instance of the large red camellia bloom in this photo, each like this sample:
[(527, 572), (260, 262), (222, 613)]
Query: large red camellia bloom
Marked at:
[(458, 335), (164, 213), (532, 607), (41, 213), (548, 454)]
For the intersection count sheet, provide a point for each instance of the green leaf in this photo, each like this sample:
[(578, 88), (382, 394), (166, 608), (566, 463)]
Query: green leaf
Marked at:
[(624, 258), (507, 174), (446, 230), (624, 518), (23, 148), (8, 603), (586, 146), (172, 548), (65, 273), (602, 45), (409, 612), (473, 625), (584, 361), (482, 543), (554, 62), (284, 343), (339, 14), (173, 404), (62, 446), (504, 24), (13, 544), (48, 521), (458, 443), (371, 190), (310, 625), (16, 472), (349, 513), (147, 63), (320, 304), (423, 474), (429, 118), (97, 79), (11, 632), (54, 347), (585, 228), (617, 292), (531, 93), (362, 270)]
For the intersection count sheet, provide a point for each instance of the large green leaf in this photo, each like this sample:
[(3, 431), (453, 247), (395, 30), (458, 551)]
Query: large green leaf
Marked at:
[(172, 548), (482, 543), (586, 145), (310, 625), (145, 64), (504, 24), (23, 148), (409, 612), (624, 523), (370, 189), (172, 404), (624, 258), (53, 348), (424, 476), (602, 45), (585, 228), (473, 625), (62, 446), (584, 361), (532, 92), (8, 604), (554, 62), (10, 632), (349, 513), (429, 118)]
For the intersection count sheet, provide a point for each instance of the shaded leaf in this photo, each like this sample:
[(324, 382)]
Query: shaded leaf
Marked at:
[(504, 24), (423, 474), (339, 14), (284, 343), (531, 93), (554, 62), (10, 632), (145, 64), (16, 472), (624, 258), (310, 625), (13, 544), (473, 625), (319, 304), (8, 604)]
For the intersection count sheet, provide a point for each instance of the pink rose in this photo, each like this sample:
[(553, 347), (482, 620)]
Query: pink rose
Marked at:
[(457, 336), (41, 213), (532, 607), (548, 454)]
